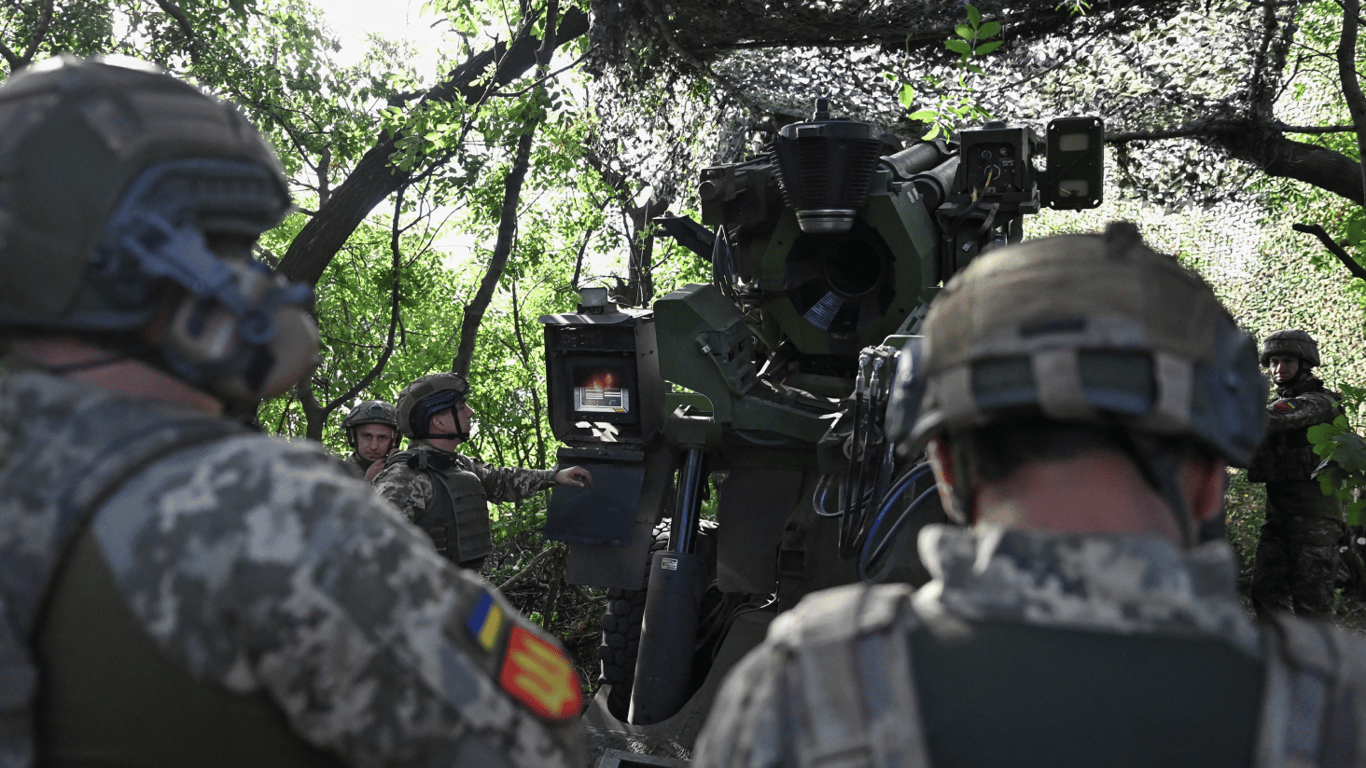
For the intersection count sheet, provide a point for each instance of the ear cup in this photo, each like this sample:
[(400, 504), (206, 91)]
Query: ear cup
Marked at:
[(251, 342)]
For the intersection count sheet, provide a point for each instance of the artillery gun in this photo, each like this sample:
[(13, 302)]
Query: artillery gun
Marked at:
[(772, 380)]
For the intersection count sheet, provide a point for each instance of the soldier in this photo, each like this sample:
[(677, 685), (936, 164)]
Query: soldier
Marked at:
[(446, 493), (1083, 394), (372, 432), (1297, 550), (175, 589)]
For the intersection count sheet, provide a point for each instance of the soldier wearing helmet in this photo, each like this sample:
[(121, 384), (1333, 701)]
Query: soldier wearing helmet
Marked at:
[(1297, 549), (177, 590), (1082, 397), (372, 432), (447, 493)]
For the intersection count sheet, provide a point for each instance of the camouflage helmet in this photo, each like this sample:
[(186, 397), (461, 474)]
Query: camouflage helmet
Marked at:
[(429, 395), (1090, 329), (114, 179), (1291, 342), (369, 412)]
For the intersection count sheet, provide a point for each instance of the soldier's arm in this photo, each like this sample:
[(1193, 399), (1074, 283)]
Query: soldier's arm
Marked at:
[(409, 490), (748, 726), (372, 646), (504, 484), (1303, 411)]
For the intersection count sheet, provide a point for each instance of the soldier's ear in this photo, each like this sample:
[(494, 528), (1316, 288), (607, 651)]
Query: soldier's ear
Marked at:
[(940, 456), (1204, 479)]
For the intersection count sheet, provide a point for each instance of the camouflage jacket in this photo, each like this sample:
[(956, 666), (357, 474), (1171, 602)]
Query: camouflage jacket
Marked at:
[(256, 565), (1286, 454), (410, 489), (833, 683), (355, 465)]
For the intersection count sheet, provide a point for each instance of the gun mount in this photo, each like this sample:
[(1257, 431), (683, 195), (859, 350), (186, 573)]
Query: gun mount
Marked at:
[(772, 380)]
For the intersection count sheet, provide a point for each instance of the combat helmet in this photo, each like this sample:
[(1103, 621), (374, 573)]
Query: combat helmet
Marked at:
[(429, 395), (369, 412), (118, 184), (1089, 329), (1291, 342)]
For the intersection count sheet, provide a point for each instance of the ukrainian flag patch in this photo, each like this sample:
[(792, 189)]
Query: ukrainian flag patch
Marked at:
[(485, 622), (1287, 406)]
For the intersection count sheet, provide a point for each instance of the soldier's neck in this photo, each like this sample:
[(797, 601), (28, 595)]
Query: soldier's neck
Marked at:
[(1096, 492), (442, 444), (130, 378)]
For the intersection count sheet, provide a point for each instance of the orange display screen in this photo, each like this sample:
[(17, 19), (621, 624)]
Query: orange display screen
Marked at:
[(601, 390)]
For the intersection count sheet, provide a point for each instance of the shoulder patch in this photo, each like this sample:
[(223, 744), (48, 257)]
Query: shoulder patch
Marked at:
[(538, 675), (485, 622), (1286, 406)]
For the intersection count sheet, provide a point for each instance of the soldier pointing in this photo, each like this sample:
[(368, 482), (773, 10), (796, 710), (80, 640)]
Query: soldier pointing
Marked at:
[(175, 590), (447, 493), (1297, 549)]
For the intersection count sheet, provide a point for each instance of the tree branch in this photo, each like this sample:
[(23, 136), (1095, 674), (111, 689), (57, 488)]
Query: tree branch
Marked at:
[(1334, 248), (395, 295), (183, 21), (507, 222), (375, 177), (1351, 85), (1265, 147)]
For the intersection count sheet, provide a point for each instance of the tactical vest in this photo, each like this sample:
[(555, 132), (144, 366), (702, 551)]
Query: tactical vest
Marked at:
[(44, 643), (1288, 456), (457, 516), (944, 692)]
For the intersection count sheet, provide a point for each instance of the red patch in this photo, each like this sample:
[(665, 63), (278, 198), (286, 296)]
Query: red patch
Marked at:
[(537, 674), (1286, 406)]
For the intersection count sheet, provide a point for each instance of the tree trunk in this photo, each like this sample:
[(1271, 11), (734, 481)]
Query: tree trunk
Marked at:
[(507, 221)]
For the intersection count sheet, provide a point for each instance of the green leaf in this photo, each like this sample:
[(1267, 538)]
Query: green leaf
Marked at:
[(964, 31), (934, 131), (989, 29), (1350, 451), (974, 16), (924, 115), (1356, 228), (958, 46), (1354, 511), (986, 48), (973, 68), (906, 96)]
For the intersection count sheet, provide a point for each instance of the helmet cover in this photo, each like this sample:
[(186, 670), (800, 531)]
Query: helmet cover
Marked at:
[(1291, 342), (113, 180), (427, 396), (1089, 329)]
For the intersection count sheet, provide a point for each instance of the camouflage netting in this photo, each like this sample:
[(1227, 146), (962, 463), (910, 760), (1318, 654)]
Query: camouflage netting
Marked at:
[(684, 85)]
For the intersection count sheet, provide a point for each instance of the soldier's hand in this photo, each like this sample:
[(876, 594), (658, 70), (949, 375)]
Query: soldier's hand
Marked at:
[(575, 476), (374, 469)]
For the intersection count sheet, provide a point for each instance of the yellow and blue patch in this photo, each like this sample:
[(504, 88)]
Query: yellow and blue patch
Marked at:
[(485, 622), (1286, 406), (538, 675)]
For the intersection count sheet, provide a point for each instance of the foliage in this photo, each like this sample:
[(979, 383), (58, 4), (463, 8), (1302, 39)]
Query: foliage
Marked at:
[(1343, 469), (959, 104)]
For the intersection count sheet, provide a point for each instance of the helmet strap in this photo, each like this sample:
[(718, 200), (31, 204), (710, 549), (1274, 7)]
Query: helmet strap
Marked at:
[(965, 479), (1160, 466)]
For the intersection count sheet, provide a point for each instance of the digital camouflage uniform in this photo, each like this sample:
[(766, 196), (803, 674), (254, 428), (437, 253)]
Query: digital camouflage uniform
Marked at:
[(837, 682), (175, 590), (267, 582), (464, 535), (1297, 549)]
